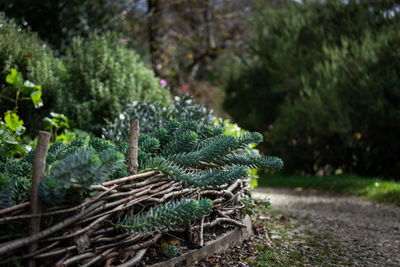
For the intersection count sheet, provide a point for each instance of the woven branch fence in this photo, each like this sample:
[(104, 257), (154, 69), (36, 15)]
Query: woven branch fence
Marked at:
[(87, 234)]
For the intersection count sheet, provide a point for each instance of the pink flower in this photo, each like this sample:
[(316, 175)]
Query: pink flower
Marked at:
[(163, 82), (122, 41)]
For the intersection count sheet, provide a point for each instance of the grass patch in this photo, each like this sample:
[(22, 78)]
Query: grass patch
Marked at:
[(370, 188)]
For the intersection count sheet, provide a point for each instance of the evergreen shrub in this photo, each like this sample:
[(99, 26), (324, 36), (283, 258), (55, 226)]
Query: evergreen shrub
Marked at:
[(103, 75)]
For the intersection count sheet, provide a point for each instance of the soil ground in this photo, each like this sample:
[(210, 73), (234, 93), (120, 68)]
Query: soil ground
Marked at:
[(310, 228)]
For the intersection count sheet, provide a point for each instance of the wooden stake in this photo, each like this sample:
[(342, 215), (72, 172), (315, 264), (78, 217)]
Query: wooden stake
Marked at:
[(133, 147), (201, 237), (39, 165)]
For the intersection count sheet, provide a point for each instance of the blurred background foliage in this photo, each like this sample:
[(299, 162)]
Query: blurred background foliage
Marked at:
[(322, 84), (320, 79), (185, 41)]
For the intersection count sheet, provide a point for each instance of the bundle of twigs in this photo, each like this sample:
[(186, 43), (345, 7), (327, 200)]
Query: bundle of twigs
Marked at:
[(86, 234)]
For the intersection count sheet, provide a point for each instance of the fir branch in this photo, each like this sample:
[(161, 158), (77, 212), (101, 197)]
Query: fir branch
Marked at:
[(148, 144), (182, 142), (211, 177), (163, 136), (123, 148), (163, 165), (51, 191), (187, 159), (111, 161), (252, 161), (5, 193), (77, 168), (14, 189), (249, 138), (54, 152), (29, 157), (215, 177), (99, 144), (85, 167), (142, 156), (208, 131), (171, 126), (167, 216), (212, 149), (217, 147), (189, 125)]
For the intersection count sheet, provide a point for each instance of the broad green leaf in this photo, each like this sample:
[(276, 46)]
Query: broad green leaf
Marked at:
[(9, 144), (58, 116), (7, 138), (20, 130), (57, 120), (36, 97), (29, 87), (14, 78), (49, 123), (60, 119), (13, 122)]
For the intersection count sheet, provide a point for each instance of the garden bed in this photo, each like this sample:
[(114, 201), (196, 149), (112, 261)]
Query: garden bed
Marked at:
[(192, 185)]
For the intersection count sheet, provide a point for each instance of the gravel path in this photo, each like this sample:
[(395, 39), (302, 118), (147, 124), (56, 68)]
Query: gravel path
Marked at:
[(367, 232)]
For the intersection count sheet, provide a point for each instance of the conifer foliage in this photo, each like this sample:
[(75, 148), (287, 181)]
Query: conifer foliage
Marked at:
[(187, 172), (186, 144), (82, 162), (183, 152), (178, 150)]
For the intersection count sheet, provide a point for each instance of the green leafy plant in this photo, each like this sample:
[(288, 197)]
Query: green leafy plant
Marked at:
[(55, 123), (170, 251), (13, 127), (24, 87), (11, 119), (31, 60), (13, 123), (10, 146)]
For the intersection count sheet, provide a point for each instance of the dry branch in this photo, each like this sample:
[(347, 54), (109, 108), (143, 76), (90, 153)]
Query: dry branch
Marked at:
[(14, 208), (130, 178), (21, 242), (93, 220)]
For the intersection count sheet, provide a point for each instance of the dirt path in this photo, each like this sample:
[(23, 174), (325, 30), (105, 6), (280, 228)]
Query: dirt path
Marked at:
[(367, 232)]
